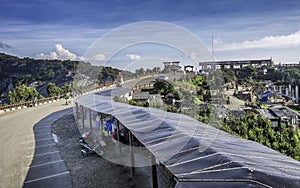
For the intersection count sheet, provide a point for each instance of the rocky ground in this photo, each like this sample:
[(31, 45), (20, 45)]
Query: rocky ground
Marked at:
[(94, 171)]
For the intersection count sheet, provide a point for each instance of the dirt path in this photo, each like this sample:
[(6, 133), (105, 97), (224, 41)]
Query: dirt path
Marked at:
[(93, 171)]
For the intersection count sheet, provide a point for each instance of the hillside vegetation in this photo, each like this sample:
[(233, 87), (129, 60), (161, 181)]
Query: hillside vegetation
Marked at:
[(38, 73)]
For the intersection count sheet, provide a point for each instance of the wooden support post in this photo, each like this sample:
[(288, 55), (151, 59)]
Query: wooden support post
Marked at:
[(154, 172), (76, 113), (118, 135), (131, 153), (101, 125), (82, 116), (90, 118), (101, 121), (118, 129)]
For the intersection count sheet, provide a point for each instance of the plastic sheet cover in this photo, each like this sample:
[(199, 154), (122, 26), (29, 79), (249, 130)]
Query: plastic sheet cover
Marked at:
[(197, 154)]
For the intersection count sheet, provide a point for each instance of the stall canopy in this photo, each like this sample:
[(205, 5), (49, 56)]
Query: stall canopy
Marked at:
[(195, 153)]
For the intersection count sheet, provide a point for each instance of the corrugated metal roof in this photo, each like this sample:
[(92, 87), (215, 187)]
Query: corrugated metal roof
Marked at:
[(141, 96), (284, 111), (198, 154), (266, 113)]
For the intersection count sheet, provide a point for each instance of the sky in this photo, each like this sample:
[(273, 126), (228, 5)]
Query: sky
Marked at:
[(71, 29)]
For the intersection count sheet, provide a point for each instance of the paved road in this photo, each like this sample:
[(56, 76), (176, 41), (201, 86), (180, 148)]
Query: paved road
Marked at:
[(139, 81), (148, 79), (17, 142), (48, 169), (235, 103)]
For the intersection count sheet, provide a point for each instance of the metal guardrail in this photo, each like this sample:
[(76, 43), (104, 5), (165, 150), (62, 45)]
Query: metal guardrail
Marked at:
[(29, 103), (8, 107)]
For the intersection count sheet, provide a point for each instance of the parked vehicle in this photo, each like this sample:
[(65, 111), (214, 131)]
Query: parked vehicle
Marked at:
[(85, 148), (162, 78)]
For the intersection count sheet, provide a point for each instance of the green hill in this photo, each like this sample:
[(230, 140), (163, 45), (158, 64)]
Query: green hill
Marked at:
[(38, 73)]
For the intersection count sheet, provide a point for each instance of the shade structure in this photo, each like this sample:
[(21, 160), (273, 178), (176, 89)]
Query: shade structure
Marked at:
[(195, 153)]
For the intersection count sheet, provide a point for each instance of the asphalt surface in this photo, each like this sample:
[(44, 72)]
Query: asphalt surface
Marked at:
[(48, 168), (18, 141), (150, 78), (235, 103)]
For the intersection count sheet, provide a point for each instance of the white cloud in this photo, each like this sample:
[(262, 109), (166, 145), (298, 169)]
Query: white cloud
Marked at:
[(98, 57), (269, 42), (133, 56), (64, 53), (59, 53)]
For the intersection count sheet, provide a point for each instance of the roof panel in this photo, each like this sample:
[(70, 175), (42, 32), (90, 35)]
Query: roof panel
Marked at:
[(196, 153)]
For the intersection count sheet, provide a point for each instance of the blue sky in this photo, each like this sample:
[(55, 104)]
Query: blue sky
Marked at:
[(242, 29)]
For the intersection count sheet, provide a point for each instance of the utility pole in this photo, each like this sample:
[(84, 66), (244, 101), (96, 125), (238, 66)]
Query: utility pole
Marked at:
[(212, 48)]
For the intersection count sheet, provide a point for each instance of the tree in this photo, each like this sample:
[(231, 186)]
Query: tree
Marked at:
[(66, 88), (50, 74), (156, 69), (22, 93), (148, 71), (140, 71), (257, 128), (166, 89), (247, 72), (108, 74), (53, 90), (198, 81)]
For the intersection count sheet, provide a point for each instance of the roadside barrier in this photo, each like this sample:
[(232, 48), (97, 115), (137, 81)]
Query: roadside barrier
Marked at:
[(12, 107)]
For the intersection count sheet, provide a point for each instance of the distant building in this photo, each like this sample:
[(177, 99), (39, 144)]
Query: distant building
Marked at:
[(281, 114), (237, 112), (246, 96), (238, 64), (286, 115), (171, 66), (275, 121), (141, 96), (188, 67), (288, 65)]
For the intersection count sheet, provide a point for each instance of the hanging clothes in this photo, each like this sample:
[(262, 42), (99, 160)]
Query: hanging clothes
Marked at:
[(105, 132)]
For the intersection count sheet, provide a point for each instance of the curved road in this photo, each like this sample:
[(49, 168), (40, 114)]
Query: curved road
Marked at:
[(17, 141), (17, 137)]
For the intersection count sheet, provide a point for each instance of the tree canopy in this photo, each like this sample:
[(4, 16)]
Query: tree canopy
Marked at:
[(257, 128), (53, 90), (22, 93)]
